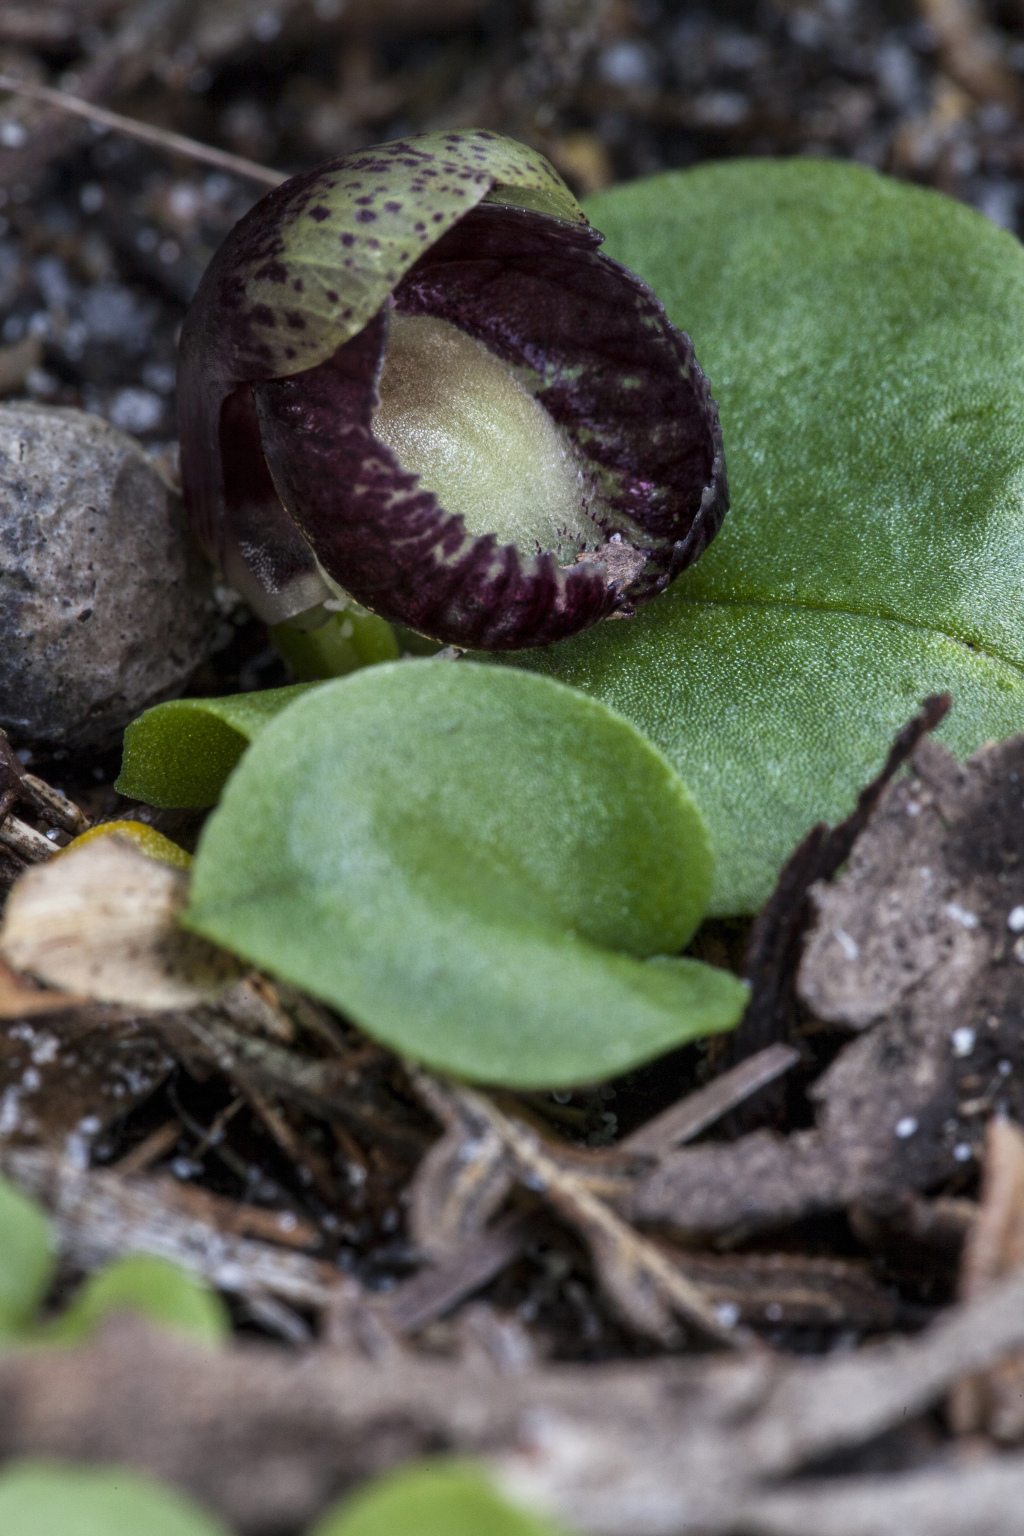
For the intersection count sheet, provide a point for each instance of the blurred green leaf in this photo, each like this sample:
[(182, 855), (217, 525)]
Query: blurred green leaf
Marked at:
[(163, 1292), (180, 753), (865, 340), (27, 1259), (475, 865), (349, 640), (39, 1498), (431, 1499)]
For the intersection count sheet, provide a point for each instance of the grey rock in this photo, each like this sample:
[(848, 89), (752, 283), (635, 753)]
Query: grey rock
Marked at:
[(105, 603)]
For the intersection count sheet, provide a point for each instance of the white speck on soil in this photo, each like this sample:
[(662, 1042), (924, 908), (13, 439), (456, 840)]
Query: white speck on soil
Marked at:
[(848, 945)]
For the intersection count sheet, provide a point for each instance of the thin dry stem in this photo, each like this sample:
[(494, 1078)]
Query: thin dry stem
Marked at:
[(26, 841), (616, 1243), (148, 133)]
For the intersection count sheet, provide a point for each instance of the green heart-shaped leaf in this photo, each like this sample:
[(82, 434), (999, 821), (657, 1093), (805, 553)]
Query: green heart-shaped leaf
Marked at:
[(39, 1498), (181, 753), (865, 340), (475, 864), (27, 1260), (152, 1287), (431, 1499)]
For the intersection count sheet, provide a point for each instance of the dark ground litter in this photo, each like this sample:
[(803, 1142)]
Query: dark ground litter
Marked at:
[(102, 242)]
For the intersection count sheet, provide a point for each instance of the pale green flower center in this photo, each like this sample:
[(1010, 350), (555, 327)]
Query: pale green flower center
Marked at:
[(458, 417)]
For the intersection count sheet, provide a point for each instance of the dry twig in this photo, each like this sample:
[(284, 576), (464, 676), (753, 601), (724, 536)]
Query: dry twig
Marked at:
[(146, 133), (99, 1216), (644, 1284), (682, 1447)]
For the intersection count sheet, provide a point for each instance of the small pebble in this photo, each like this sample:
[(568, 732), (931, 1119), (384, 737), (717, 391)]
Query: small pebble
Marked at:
[(728, 1314), (105, 604), (963, 1152), (961, 915), (136, 410), (963, 1041), (1015, 921), (906, 1127)]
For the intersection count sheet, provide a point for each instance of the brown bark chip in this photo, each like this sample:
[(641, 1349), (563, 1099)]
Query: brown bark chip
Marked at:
[(919, 948)]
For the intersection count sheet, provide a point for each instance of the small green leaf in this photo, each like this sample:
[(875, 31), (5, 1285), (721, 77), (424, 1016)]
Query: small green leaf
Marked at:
[(475, 865), (180, 754), (865, 340), (41, 1498), (26, 1259), (432, 1499), (163, 1292), (348, 641)]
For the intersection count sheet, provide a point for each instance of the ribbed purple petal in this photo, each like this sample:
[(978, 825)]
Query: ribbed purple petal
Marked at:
[(392, 545), (606, 364), (610, 368)]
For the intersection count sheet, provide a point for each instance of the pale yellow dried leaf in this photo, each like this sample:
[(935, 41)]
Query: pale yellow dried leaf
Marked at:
[(101, 921)]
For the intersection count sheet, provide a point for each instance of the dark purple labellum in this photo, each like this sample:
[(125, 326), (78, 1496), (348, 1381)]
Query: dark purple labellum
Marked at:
[(537, 385)]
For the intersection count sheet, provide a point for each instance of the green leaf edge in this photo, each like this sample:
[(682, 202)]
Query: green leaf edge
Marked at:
[(422, 1499), (26, 1238), (179, 755), (270, 916), (39, 1497), (151, 1287)]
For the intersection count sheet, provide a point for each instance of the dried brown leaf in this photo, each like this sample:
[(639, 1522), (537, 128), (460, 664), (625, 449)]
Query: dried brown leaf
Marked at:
[(102, 921), (21, 997)]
